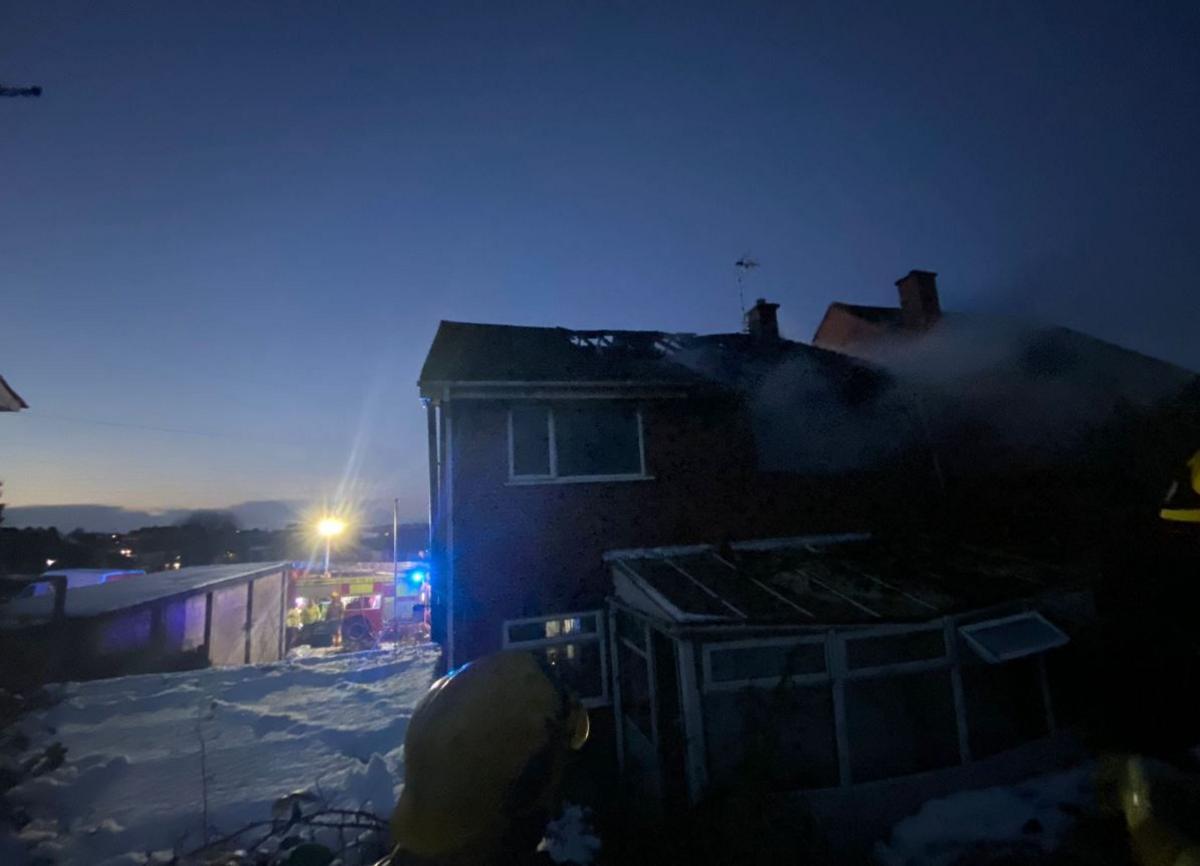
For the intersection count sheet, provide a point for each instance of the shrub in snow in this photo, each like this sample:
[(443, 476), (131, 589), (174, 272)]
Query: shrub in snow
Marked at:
[(570, 838)]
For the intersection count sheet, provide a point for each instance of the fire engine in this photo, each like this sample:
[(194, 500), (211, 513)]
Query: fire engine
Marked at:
[(376, 604)]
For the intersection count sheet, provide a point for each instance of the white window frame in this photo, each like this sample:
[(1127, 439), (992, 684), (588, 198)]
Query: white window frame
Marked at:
[(898, 668), (553, 477), (711, 685), (597, 637), (968, 633)]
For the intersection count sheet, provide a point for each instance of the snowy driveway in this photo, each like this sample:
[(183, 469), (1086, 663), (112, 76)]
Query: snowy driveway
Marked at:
[(132, 779)]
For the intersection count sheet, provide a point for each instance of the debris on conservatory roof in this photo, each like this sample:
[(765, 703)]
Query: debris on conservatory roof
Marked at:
[(827, 580)]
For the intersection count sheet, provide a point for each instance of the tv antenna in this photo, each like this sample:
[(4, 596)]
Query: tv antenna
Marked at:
[(744, 265)]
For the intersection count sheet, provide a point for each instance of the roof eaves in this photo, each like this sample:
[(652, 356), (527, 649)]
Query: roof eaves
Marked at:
[(13, 396)]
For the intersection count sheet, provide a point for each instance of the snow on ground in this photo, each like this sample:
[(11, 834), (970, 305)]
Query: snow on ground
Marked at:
[(1035, 814), (132, 779)]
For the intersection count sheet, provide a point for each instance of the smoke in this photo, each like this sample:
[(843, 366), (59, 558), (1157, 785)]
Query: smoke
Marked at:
[(811, 417), (812, 411), (1038, 390), (977, 389)]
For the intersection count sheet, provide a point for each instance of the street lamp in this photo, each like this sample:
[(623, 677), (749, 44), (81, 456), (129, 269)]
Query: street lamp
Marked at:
[(327, 528)]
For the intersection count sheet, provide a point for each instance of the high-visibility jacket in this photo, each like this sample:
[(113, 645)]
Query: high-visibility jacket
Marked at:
[(1183, 498), (311, 613), (293, 618)]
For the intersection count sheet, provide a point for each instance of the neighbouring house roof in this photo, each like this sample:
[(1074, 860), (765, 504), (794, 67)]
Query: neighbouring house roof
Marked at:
[(889, 316), (1032, 346), (832, 580), (10, 400)]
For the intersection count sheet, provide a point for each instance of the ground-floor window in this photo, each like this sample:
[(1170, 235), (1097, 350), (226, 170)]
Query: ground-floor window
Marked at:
[(768, 712), (782, 735), (635, 686), (571, 644)]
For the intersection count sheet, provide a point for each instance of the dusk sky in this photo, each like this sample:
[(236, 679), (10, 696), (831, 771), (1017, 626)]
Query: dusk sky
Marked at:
[(228, 230)]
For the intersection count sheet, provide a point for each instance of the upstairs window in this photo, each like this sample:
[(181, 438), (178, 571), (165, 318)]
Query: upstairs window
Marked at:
[(530, 441), (584, 441)]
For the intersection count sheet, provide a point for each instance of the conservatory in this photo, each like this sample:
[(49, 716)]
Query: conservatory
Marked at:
[(830, 663)]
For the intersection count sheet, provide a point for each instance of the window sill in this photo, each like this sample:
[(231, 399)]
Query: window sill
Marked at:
[(577, 479)]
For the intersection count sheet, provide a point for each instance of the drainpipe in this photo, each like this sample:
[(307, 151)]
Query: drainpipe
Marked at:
[(448, 493)]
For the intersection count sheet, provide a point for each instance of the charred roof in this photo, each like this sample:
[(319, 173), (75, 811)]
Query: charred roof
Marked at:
[(465, 352)]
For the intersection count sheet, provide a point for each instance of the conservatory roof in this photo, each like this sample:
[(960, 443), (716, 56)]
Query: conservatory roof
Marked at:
[(843, 579)]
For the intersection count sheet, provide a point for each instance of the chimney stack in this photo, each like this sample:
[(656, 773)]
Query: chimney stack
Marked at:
[(919, 304), (761, 322)]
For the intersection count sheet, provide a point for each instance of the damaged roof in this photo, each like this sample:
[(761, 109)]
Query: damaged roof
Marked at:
[(465, 352), (831, 580)]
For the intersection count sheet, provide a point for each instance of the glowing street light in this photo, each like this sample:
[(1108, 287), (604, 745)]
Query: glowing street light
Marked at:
[(327, 528)]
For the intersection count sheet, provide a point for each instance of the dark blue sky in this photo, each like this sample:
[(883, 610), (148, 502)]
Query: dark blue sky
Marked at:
[(239, 223)]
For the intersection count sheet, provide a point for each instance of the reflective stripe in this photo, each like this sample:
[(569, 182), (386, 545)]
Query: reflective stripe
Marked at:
[(1181, 515)]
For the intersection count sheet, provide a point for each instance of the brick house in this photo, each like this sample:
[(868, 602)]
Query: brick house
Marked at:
[(778, 558), (549, 447), (847, 327)]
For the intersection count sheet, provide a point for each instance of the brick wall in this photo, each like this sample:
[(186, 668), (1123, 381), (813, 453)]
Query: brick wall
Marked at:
[(532, 549)]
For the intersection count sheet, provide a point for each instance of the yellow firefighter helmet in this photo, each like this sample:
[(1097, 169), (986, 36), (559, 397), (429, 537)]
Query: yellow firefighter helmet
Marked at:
[(1183, 498), (484, 754)]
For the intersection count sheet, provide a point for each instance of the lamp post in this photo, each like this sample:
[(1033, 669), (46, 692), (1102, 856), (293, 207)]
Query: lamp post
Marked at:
[(327, 528)]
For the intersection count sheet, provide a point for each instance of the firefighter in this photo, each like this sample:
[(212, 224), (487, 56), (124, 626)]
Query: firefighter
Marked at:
[(293, 621), (484, 757), (1183, 498), (336, 609), (334, 613), (310, 613)]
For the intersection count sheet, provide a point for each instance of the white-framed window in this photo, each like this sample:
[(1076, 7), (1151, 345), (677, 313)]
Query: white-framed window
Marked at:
[(582, 440), (571, 643), (1013, 637), (734, 665)]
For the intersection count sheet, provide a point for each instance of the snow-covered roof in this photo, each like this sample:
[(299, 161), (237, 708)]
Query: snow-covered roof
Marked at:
[(105, 598)]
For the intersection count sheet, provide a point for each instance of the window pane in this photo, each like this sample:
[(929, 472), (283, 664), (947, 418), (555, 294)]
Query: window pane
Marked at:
[(577, 625), (901, 725), (769, 661), (635, 688), (531, 440), (526, 631), (552, 628), (631, 629), (783, 736), (577, 666), (896, 649), (597, 439), (1013, 637)]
